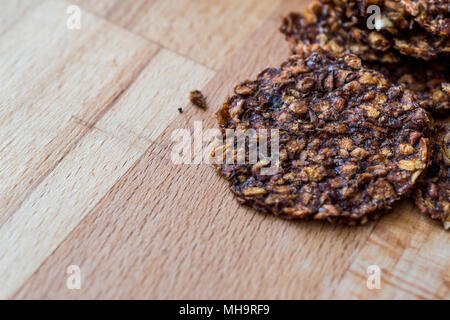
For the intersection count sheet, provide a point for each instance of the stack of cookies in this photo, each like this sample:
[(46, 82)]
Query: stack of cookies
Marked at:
[(411, 50), (360, 110)]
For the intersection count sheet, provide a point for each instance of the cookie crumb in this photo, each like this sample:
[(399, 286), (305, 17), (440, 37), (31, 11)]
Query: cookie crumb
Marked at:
[(198, 99)]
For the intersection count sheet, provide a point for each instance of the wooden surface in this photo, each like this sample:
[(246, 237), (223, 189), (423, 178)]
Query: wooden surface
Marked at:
[(86, 120)]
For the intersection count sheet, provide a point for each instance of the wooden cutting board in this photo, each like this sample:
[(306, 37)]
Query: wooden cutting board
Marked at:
[(89, 191)]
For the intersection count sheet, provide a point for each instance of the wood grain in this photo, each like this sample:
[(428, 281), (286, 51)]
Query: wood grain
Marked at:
[(70, 191), (59, 203), (206, 31), (91, 182), (85, 173), (13, 10), (194, 246), (194, 242), (49, 83), (412, 252), (153, 100)]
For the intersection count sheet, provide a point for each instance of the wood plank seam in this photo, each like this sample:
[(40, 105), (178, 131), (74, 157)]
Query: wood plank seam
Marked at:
[(82, 135), (88, 214), (404, 284), (124, 107), (141, 138), (37, 90), (97, 208), (315, 271), (162, 144), (146, 38)]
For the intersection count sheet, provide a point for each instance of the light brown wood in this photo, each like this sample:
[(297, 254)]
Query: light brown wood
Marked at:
[(91, 181), (153, 100), (413, 254), (48, 84), (13, 10), (204, 30)]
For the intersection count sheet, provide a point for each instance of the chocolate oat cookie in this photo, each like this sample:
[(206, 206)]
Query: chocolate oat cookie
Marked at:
[(326, 26), (430, 80), (341, 26), (433, 15), (432, 195), (350, 144), (403, 25)]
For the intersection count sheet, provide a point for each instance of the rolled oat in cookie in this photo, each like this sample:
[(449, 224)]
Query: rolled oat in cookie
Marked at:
[(402, 25), (326, 26), (429, 80), (433, 15), (350, 144), (432, 194), (343, 26)]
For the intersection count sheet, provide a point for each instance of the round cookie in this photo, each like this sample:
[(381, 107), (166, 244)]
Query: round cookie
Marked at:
[(417, 28), (432, 195), (350, 144), (342, 26), (326, 26), (429, 80)]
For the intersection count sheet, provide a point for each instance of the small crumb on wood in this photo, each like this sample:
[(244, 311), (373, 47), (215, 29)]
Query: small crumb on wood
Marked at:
[(180, 110), (197, 99)]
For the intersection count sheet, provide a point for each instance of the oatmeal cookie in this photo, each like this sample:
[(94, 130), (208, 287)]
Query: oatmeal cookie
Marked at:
[(341, 26), (325, 26), (432, 195), (433, 15), (350, 144), (400, 29), (430, 80)]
